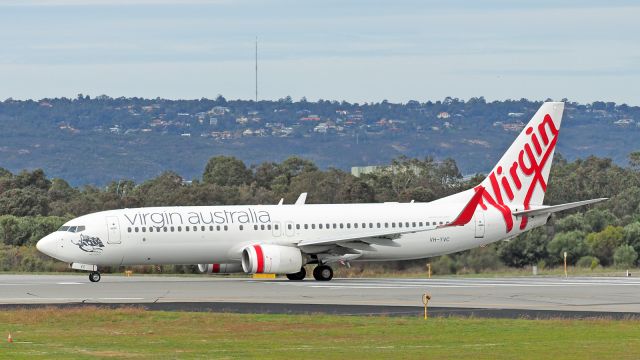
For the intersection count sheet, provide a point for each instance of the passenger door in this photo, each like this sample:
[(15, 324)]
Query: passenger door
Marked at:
[(113, 229), (479, 222)]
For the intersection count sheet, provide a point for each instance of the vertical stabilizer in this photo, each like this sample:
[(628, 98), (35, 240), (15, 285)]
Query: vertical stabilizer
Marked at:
[(519, 180)]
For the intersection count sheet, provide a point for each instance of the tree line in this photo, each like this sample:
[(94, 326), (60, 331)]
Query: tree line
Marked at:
[(608, 234)]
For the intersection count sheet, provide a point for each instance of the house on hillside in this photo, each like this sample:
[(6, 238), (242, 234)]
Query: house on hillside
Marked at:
[(443, 115)]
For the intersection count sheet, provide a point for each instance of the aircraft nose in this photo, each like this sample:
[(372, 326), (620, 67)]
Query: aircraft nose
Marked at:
[(47, 245)]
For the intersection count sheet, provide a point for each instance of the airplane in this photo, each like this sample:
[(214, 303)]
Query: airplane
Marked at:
[(282, 239)]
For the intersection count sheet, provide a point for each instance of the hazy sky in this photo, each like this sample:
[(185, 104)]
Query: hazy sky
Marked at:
[(332, 49)]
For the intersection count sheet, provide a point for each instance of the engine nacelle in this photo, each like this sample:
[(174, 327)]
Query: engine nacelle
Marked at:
[(272, 259), (220, 268)]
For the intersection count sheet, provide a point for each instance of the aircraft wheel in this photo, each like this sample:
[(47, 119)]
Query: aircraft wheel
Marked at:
[(94, 276), (323, 273), (300, 275)]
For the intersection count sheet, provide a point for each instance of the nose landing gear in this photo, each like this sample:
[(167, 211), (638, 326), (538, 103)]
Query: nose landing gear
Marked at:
[(94, 276)]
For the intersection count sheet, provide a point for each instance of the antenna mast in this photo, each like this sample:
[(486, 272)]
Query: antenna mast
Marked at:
[(256, 69)]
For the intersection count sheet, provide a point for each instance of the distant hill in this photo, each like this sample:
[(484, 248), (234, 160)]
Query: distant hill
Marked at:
[(94, 141)]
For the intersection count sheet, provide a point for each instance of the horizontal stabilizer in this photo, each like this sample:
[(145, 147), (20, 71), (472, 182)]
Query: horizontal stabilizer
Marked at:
[(544, 210)]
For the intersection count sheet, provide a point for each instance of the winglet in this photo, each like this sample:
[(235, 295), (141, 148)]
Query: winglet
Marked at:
[(467, 213), (301, 199)]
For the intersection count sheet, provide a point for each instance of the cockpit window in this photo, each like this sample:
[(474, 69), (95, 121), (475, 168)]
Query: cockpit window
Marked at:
[(80, 228), (72, 229), (63, 228)]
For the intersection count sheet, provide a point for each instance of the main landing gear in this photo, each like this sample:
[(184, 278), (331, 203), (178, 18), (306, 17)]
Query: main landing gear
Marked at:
[(323, 273), (300, 275), (94, 276), (320, 273)]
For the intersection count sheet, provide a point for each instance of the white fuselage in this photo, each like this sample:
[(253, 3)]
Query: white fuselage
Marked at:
[(217, 234)]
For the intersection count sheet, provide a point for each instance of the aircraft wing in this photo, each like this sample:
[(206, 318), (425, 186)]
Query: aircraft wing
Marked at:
[(386, 236), (545, 210), (380, 237)]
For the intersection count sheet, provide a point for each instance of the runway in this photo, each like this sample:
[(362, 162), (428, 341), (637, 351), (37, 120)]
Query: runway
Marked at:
[(526, 296)]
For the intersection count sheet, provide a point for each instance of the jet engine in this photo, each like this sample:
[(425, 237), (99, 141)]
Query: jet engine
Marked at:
[(220, 268), (273, 259)]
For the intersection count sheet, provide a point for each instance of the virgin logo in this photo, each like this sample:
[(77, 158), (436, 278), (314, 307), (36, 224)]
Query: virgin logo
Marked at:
[(524, 174)]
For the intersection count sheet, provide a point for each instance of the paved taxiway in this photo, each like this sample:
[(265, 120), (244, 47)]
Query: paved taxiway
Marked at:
[(597, 294)]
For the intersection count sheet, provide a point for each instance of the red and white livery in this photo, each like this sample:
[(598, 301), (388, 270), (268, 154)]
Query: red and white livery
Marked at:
[(282, 239)]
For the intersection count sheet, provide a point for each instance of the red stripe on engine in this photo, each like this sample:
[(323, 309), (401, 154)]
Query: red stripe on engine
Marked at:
[(260, 257), (216, 268)]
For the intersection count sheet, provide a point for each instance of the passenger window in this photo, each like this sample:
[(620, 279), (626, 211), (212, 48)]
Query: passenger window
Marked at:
[(370, 225), (334, 225), (355, 225), (269, 227), (420, 223), (289, 226), (179, 228), (128, 229), (327, 227), (386, 225), (144, 229), (240, 227), (255, 227), (378, 225), (173, 229), (407, 224), (348, 225), (136, 229), (218, 228), (297, 226), (341, 226), (226, 228), (276, 226), (165, 229), (414, 224), (150, 228), (399, 224), (210, 227), (186, 228), (440, 222), (393, 224), (320, 226), (306, 226), (195, 228)]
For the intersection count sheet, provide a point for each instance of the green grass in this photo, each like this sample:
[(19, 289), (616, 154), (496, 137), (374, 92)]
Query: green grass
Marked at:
[(51, 333)]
